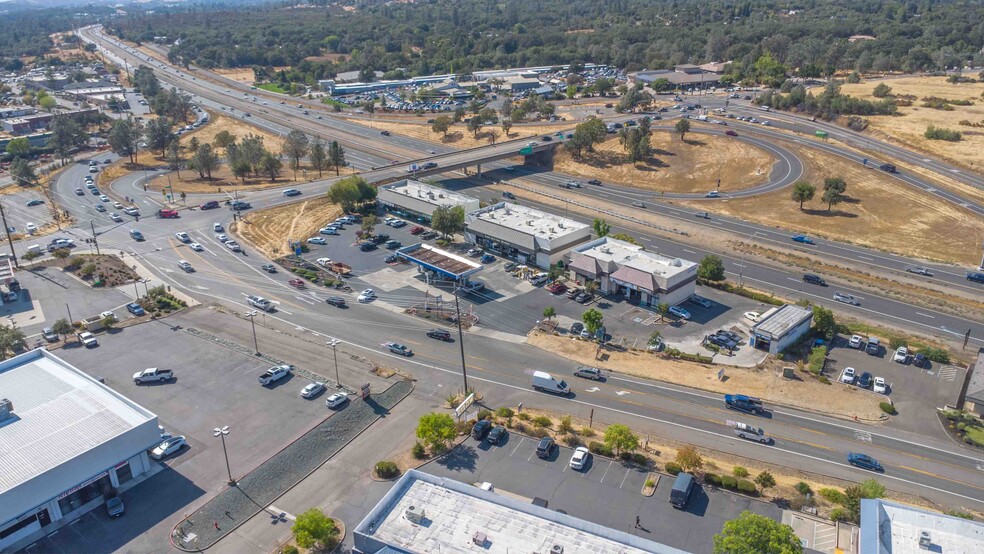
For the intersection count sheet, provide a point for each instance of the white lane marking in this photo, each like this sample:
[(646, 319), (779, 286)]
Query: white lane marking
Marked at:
[(688, 250), (866, 258), (926, 315)]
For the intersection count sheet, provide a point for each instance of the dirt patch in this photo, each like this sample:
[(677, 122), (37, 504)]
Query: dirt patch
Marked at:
[(327, 58), (807, 394), (694, 165), (241, 74), (458, 135), (907, 129), (99, 270), (269, 230)]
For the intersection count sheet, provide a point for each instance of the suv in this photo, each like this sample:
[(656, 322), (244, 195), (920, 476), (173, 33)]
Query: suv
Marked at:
[(439, 334), (586, 372), (815, 279), (700, 301), (481, 429), (545, 447), (976, 277)]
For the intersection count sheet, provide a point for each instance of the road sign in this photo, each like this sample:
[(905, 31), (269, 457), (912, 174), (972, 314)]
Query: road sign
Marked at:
[(365, 390), (526, 151), (465, 404)]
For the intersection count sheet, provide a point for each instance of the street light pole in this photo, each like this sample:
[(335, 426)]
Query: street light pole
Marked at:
[(333, 343), (461, 339), (221, 433), (256, 345), (741, 264)]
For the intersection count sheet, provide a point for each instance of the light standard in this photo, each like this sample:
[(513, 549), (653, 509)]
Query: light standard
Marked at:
[(256, 345), (333, 343), (461, 338), (741, 264), (221, 433)]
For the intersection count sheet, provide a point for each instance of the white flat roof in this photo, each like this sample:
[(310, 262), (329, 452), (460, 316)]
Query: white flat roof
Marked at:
[(428, 193), (779, 322), (529, 221), (895, 528), (60, 416), (455, 512), (623, 253)]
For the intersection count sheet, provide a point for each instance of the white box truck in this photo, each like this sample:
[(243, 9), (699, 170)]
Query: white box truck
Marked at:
[(543, 381)]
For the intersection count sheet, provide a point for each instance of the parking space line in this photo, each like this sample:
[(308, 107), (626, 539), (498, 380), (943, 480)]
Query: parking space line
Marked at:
[(624, 478), (606, 472), (517, 447)]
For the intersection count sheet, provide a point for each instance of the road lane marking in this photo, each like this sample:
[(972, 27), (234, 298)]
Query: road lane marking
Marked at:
[(926, 315)]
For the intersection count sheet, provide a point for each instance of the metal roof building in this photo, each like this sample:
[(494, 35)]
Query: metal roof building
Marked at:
[(890, 528), (423, 513), (779, 329), (525, 234), (439, 263), (65, 441), (419, 200)]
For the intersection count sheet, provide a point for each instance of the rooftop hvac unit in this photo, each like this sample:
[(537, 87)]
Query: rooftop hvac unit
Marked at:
[(925, 540), (415, 514), (6, 408), (557, 549), (440, 195)]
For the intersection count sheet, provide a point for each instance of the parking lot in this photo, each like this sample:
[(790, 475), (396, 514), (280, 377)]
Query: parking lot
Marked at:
[(912, 389), (605, 492), (23, 211)]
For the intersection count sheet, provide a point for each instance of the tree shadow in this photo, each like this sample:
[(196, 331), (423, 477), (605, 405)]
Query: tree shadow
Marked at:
[(694, 142), (831, 213), (460, 458), (452, 137)]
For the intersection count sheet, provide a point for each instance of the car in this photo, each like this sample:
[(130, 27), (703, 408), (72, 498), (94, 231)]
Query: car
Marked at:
[(88, 340), (546, 138), (323, 262), (95, 191), (585, 334), (103, 198), (100, 208), (185, 265), (713, 194), (384, 133), (702, 215), (328, 231), (722, 341), (210, 205), (849, 376), (497, 434), (901, 355), (638, 204), (480, 429), (545, 447), (814, 279), (136, 235), (275, 373), (398, 348), (416, 230), (367, 295), (234, 246), (117, 205), (79, 192), (317, 240), (391, 259), (583, 297), (135, 309), (487, 258), (594, 182), (700, 301), (679, 312), (183, 237), (752, 316), (428, 235), (557, 288), (864, 461), (222, 238), (802, 239), (587, 372), (846, 298), (269, 268), (367, 246), (398, 224), (168, 446), (130, 210), (508, 195), (576, 328), (580, 457), (919, 360), (292, 192), (919, 270), (474, 252), (380, 238), (34, 202), (336, 400), (114, 505), (196, 247), (440, 334), (31, 228), (312, 389), (393, 244), (880, 386), (336, 301), (217, 228), (864, 381)]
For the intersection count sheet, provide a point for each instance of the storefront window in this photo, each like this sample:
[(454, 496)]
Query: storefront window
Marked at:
[(124, 473), (89, 492)]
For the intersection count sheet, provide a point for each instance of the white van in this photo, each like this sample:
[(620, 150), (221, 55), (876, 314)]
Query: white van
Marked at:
[(744, 431), (34, 249), (543, 381), (538, 280), (765, 108)]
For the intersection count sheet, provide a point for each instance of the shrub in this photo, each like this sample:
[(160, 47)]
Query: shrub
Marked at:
[(747, 487), (887, 407), (650, 483), (816, 361), (895, 342), (729, 482), (485, 414), (739, 472), (504, 413), (521, 427), (712, 479), (939, 133), (524, 416), (673, 468), (833, 496), (803, 488), (463, 427), (539, 432), (958, 513), (823, 379), (290, 549), (600, 448), (625, 456), (418, 450), (586, 432), (541, 421), (640, 459), (387, 469), (839, 514), (936, 354), (565, 425)]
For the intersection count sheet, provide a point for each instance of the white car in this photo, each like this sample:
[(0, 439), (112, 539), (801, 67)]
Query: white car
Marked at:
[(855, 341), (880, 385), (103, 198), (168, 447), (116, 217), (183, 237), (679, 312), (323, 262), (336, 400), (117, 205), (31, 228), (130, 210), (234, 246), (222, 238), (713, 194), (108, 314), (849, 376), (846, 298), (580, 457), (367, 295), (752, 316), (196, 247), (901, 355), (312, 390), (183, 264), (217, 228), (317, 240), (88, 340)]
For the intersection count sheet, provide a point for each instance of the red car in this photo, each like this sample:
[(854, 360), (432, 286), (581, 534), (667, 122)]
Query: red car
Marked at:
[(297, 283), (557, 288), (731, 133), (416, 230)]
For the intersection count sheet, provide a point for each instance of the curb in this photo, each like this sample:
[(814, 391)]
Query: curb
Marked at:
[(655, 477)]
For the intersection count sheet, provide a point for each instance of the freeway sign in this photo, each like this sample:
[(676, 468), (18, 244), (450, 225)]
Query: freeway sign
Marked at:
[(526, 151)]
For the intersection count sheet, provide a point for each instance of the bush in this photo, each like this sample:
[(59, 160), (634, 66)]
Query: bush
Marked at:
[(939, 133), (387, 469), (712, 479), (895, 342), (541, 421), (524, 416), (816, 361), (290, 549), (833, 496), (485, 414), (540, 432), (520, 427), (729, 482), (418, 451), (504, 413), (823, 379), (936, 354), (958, 513), (463, 427), (600, 449), (887, 407), (839, 514), (747, 487), (586, 432), (673, 468), (625, 456), (739, 472), (650, 483), (565, 425), (803, 488), (640, 459)]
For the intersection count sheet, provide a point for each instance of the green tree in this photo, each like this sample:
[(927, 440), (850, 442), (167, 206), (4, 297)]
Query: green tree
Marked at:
[(474, 125), (173, 157), (313, 527), (655, 338), (711, 268), (318, 156), (47, 103), (619, 438), (689, 458), (367, 192), (601, 227), (768, 71), (442, 124), (295, 147), (436, 429), (66, 135), (271, 165), (368, 224), (682, 127), (19, 146), (11, 338), (506, 126), (751, 533), (803, 192), (592, 319), (345, 192), (223, 139), (250, 149), (881, 91), (62, 327), (765, 480), (833, 191), (124, 138), (158, 134), (549, 312), (336, 156), (241, 169), (23, 173), (586, 135), (448, 220), (205, 160), (635, 142), (603, 85), (823, 321)]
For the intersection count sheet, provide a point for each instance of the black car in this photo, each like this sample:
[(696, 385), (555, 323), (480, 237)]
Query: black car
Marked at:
[(380, 239), (595, 182), (481, 429), (865, 380), (919, 360), (428, 235), (510, 266), (545, 447), (576, 328), (497, 434), (730, 334), (367, 246), (815, 279), (722, 341), (439, 334), (546, 138), (391, 259), (393, 244), (336, 301), (385, 133)]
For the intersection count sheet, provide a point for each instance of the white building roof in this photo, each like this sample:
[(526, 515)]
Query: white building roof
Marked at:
[(890, 528), (529, 221), (66, 427), (781, 321), (608, 250), (454, 512), (429, 194)]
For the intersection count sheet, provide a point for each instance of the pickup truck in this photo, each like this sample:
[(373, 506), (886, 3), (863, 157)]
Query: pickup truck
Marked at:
[(152, 374), (275, 373), (744, 403), (339, 268), (261, 303)]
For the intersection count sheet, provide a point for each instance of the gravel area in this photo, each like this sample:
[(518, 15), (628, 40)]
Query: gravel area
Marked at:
[(285, 469)]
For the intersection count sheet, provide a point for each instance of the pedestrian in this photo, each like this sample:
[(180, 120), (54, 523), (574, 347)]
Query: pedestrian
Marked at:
[(637, 522), (216, 523)]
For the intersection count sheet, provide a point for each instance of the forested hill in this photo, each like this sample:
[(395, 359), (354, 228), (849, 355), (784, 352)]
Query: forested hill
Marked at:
[(428, 36)]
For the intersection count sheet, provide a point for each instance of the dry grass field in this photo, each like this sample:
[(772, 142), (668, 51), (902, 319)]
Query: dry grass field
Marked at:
[(270, 229), (458, 135), (907, 129)]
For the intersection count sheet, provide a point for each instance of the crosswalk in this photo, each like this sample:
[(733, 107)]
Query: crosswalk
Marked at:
[(948, 373)]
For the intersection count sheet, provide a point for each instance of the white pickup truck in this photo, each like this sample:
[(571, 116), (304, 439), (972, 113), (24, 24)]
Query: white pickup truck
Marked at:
[(152, 374), (275, 373), (261, 303)]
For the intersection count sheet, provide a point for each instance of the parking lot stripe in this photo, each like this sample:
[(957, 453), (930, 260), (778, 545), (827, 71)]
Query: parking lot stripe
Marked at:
[(626, 476), (517, 447), (606, 472)]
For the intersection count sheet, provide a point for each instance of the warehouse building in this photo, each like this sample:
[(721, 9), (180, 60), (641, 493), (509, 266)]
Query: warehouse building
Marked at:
[(417, 201), (888, 527), (779, 328), (423, 513), (66, 440), (524, 234), (625, 269)]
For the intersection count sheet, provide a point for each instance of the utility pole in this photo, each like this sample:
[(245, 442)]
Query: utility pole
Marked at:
[(10, 241), (94, 240), (461, 339), (333, 343)]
